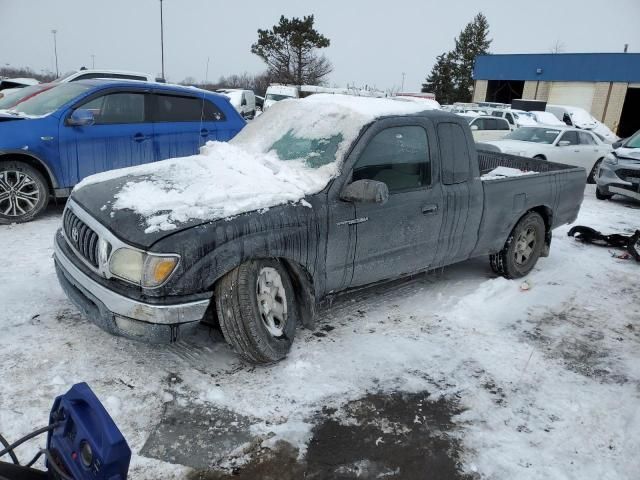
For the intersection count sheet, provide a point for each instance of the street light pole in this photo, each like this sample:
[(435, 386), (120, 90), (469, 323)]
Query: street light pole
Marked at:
[(403, 75), (162, 39), (93, 61), (55, 50)]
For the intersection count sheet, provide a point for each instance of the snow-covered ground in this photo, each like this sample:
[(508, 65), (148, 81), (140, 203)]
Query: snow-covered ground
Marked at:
[(546, 380)]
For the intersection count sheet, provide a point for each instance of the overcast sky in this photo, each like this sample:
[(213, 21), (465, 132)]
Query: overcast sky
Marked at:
[(371, 42)]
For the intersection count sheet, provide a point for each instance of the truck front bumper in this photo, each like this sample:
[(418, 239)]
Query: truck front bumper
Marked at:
[(121, 315)]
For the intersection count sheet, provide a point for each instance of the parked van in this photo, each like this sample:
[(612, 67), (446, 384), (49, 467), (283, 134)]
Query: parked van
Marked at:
[(486, 128), (275, 93), (244, 101)]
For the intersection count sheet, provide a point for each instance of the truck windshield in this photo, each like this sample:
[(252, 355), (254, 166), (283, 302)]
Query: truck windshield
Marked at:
[(533, 134), (314, 152), (50, 100), (276, 98)]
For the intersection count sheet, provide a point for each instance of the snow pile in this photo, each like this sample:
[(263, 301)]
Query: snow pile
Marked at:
[(505, 172), (245, 175)]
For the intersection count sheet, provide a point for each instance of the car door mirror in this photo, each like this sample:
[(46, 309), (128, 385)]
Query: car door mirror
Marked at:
[(564, 143), (617, 144), (81, 117), (365, 191), (474, 127)]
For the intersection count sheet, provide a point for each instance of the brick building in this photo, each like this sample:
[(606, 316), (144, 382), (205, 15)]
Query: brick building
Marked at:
[(606, 84)]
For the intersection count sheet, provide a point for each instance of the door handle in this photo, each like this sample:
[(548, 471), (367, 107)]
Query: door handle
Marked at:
[(429, 209), (204, 132), (141, 137)]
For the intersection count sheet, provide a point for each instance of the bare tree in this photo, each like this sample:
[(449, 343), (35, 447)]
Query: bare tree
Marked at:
[(557, 47)]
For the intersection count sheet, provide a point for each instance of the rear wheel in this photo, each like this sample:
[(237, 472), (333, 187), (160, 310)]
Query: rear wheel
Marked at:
[(594, 171), (603, 196), (522, 249), (23, 192), (256, 310)]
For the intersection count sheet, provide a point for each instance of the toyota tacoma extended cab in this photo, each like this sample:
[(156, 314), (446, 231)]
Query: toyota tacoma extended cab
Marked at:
[(315, 197)]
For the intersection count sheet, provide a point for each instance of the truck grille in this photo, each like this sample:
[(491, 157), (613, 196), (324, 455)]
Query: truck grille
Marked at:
[(628, 175), (81, 237)]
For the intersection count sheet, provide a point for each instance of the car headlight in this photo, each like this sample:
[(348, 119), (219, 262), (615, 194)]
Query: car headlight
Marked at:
[(144, 269), (611, 158)]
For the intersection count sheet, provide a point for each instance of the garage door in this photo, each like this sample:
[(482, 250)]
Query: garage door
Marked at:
[(576, 94)]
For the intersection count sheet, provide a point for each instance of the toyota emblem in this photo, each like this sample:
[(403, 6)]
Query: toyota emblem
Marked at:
[(74, 234)]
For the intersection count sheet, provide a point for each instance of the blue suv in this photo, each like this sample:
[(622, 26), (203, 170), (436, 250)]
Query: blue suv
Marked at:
[(51, 141)]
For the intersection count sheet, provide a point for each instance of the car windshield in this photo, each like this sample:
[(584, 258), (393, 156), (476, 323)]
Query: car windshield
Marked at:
[(314, 152), (537, 135), (276, 97), (50, 100), (634, 141), (13, 98)]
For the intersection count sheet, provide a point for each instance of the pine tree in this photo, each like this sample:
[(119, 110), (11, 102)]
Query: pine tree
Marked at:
[(473, 41), (451, 78), (440, 80), (290, 51)]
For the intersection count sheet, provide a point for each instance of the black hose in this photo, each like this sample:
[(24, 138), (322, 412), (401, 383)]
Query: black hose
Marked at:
[(33, 434), (11, 452), (34, 459)]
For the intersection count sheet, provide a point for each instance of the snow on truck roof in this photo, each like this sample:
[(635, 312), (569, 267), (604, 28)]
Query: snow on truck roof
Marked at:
[(291, 151)]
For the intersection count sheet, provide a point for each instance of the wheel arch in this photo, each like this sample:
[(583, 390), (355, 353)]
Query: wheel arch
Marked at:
[(541, 156), (34, 162)]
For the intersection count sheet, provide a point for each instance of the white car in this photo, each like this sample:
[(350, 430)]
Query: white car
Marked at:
[(485, 128), (117, 74), (547, 118), (10, 85), (516, 118), (571, 146), (580, 118)]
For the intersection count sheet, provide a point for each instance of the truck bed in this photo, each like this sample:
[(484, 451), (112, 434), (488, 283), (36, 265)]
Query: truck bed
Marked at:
[(556, 191)]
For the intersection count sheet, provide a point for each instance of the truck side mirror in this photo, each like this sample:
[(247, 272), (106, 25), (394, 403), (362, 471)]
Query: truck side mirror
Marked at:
[(81, 117), (365, 191)]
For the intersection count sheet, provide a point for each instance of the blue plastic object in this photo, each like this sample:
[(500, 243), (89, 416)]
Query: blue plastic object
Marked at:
[(86, 444)]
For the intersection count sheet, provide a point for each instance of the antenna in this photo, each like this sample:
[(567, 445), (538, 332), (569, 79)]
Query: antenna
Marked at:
[(206, 79)]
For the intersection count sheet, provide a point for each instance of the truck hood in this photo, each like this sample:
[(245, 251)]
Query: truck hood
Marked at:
[(141, 205)]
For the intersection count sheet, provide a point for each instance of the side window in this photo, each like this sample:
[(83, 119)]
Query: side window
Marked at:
[(170, 108), (212, 113), (117, 108), (480, 123), (571, 137), (509, 118), (490, 124), (454, 153), (397, 156), (496, 114), (586, 138), (502, 124)]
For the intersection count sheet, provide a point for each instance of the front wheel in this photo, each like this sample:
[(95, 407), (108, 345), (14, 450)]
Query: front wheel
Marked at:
[(522, 249), (23, 192), (256, 310), (602, 196), (594, 171)]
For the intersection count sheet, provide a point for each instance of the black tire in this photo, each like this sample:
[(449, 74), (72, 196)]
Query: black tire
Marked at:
[(522, 249), (242, 319), (24, 192), (603, 196), (592, 175), (540, 157)]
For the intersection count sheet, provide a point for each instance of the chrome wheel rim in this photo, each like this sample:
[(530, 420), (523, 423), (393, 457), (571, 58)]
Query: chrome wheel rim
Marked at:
[(19, 193), (272, 301), (525, 246)]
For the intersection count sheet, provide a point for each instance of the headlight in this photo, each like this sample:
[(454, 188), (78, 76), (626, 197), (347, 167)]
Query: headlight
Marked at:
[(611, 158), (145, 269)]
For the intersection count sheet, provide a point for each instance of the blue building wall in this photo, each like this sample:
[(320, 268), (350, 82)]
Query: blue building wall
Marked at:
[(560, 67)]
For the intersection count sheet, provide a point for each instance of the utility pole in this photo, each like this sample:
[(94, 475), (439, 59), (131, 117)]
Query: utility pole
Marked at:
[(402, 88), (162, 39), (55, 50), (93, 61)]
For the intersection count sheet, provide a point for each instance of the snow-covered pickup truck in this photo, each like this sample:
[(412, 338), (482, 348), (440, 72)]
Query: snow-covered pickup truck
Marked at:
[(315, 197)]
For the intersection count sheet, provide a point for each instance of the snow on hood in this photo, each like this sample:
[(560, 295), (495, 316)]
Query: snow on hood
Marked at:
[(226, 179), (626, 152)]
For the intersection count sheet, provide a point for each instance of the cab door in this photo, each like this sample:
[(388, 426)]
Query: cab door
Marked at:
[(398, 237)]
